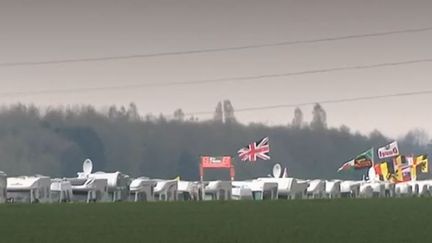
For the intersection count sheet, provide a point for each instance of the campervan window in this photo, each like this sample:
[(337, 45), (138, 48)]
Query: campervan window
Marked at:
[(257, 195), (19, 196)]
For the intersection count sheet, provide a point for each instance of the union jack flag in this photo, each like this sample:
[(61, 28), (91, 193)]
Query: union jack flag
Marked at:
[(253, 151)]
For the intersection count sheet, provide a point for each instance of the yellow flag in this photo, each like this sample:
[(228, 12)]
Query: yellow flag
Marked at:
[(422, 161), (398, 168), (384, 171)]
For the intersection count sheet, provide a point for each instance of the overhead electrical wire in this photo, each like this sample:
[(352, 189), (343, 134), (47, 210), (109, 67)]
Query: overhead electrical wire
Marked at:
[(222, 49), (331, 101), (218, 80)]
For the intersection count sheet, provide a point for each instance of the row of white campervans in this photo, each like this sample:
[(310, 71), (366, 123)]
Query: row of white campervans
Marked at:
[(112, 187), (109, 187)]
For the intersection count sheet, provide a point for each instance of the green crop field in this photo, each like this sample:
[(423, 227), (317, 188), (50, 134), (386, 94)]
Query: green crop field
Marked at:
[(390, 220)]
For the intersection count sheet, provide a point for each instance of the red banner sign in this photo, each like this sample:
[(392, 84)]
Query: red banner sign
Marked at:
[(216, 162)]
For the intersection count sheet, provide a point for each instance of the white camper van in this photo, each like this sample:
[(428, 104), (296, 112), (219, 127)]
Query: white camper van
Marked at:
[(187, 191), (165, 190), (28, 189), (61, 191), (87, 188), (118, 184), (141, 189), (218, 190), (259, 190)]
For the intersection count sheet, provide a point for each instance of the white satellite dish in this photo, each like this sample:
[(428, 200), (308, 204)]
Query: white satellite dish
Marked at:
[(277, 171), (87, 167)]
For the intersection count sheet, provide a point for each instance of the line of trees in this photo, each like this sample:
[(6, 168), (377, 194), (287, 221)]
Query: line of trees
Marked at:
[(54, 142)]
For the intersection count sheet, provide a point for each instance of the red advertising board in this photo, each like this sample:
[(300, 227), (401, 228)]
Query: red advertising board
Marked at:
[(216, 162), (223, 162)]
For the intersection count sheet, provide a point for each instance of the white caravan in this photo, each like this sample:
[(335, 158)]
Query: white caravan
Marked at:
[(260, 190), (404, 189), (60, 191), (28, 189), (378, 188), (332, 189), (141, 189), (118, 184), (241, 191), (165, 190), (217, 190), (289, 188), (315, 189), (422, 188), (187, 191), (3, 187), (89, 190), (389, 189), (350, 188), (366, 190)]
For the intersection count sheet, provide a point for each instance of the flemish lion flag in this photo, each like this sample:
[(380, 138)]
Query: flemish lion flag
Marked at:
[(362, 161)]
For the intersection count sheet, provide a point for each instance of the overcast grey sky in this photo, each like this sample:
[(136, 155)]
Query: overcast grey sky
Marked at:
[(41, 30)]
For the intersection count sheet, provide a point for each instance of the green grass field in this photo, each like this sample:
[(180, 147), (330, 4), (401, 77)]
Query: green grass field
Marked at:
[(392, 220)]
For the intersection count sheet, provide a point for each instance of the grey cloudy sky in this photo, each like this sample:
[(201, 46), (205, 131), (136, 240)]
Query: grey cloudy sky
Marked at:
[(40, 30)]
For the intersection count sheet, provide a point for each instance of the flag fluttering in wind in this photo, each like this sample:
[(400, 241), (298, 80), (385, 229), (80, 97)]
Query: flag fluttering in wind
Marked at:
[(405, 169), (362, 161), (255, 150), (384, 170), (388, 151), (423, 162)]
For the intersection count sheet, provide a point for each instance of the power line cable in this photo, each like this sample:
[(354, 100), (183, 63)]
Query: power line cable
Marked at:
[(218, 80), (331, 101), (211, 50)]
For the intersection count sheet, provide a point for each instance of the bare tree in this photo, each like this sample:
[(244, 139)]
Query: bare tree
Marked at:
[(132, 112), (218, 114), (298, 118), (179, 115), (319, 117), (228, 112)]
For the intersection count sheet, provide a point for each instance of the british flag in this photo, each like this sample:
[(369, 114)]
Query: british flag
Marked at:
[(253, 151)]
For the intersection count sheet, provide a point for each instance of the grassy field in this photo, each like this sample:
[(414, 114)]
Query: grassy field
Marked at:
[(392, 220)]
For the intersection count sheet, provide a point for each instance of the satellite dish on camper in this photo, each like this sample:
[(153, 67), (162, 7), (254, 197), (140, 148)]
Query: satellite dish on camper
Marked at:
[(87, 167), (277, 171)]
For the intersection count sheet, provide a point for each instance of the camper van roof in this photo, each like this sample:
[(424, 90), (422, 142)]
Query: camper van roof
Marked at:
[(24, 182)]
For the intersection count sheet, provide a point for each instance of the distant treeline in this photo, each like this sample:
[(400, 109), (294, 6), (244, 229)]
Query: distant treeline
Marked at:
[(54, 142)]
